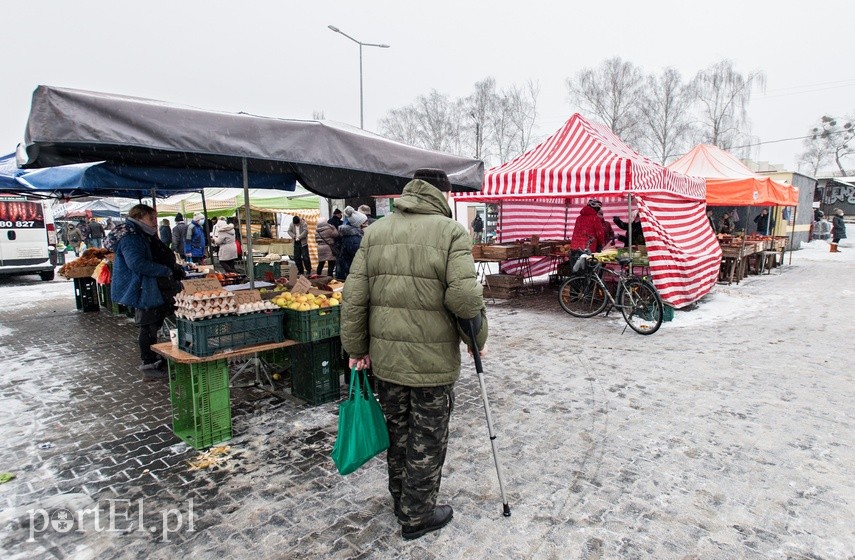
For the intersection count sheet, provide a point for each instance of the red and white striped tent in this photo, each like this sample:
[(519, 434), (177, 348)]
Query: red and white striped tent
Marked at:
[(541, 191)]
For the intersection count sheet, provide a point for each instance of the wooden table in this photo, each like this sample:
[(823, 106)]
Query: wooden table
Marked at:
[(195, 381), (176, 355)]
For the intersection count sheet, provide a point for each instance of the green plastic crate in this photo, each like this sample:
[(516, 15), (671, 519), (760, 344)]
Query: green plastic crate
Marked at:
[(315, 371), (104, 297), (201, 408), (313, 325), (219, 334), (262, 268)]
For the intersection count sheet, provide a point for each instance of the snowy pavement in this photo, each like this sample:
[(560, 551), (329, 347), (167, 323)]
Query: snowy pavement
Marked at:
[(727, 434)]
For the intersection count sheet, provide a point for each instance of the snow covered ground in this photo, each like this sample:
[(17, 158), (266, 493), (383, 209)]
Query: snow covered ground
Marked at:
[(727, 434)]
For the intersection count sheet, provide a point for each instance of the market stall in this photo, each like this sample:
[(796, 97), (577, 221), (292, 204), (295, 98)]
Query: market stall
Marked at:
[(540, 191), (333, 160), (731, 183)]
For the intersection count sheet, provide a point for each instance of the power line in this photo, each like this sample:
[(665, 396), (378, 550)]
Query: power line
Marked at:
[(788, 139)]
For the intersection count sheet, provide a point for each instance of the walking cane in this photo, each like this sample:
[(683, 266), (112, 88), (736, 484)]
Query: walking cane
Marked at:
[(476, 354)]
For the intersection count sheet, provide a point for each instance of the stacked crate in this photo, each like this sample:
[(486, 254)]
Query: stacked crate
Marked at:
[(317, 363), (201, 410)]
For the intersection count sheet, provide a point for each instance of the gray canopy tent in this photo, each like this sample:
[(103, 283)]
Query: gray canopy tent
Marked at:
[(330, 159)]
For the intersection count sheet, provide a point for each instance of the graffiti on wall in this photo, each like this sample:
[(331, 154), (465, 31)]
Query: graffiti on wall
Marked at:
[(840, 193)]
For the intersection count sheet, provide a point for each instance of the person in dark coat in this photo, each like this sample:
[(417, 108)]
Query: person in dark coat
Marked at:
[(179, 234), (711, 221), (145, 277), (725, 224), (635, 224), (74, 238), (477, 229), (336, 220), (838, 229), (96, 234), (588, 231), (165, 233), (765, 222), (351, 233)]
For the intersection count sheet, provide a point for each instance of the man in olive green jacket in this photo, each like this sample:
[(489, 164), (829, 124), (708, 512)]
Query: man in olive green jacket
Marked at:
[(411, 287)]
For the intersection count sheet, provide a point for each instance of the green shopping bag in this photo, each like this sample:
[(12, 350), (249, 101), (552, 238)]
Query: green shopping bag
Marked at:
[(362, 431)]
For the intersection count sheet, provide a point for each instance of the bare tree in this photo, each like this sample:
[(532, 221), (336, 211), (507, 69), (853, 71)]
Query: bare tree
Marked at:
[(814, 157), (723, 95), (523, 114), (831, 141), (611, 92), (665, 108), (427, 123), (495, 126)]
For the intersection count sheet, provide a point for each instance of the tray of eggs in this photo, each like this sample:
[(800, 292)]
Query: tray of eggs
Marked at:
[(205, 304), (256, 306)]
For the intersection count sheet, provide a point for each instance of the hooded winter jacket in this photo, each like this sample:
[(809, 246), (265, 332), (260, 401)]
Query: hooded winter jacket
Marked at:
[(135, 274), (412, 277), (351, 239), (194, 242), (325, 237), (226, 241), (588, 231)]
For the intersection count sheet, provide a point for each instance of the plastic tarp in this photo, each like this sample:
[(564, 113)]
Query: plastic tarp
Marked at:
[(224, 202), (730, 182), (92, 208), (331, 159), (105, 179)]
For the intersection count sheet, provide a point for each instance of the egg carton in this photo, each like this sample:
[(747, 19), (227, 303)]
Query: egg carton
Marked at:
[(197, 315), (256, 307)]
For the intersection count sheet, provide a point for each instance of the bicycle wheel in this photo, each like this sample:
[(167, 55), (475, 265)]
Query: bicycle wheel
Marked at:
[(641, 306), (582, 296)]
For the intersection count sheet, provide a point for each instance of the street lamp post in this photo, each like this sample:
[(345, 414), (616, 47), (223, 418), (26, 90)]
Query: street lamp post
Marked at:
[(361, 44)]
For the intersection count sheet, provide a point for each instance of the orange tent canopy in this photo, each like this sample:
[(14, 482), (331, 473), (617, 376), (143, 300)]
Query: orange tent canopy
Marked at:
[(730, 182)]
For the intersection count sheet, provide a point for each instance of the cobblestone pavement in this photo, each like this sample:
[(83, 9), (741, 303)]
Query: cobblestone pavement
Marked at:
[(722, 439)]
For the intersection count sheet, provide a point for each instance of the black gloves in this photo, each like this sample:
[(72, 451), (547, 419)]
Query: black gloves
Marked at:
[(474, 321)]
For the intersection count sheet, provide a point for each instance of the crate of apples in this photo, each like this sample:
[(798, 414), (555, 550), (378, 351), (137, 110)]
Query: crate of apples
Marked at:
[(306, 302)]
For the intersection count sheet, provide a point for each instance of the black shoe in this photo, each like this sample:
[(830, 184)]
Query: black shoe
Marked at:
[(442, 515), (154, 375)]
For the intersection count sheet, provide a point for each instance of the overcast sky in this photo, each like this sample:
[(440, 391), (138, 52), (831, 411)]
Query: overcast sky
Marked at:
[(279, 59)]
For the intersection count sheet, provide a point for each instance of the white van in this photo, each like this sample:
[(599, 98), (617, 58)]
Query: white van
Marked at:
[(27, 237)]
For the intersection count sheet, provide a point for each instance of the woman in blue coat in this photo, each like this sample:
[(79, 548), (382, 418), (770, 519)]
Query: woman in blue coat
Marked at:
[(145, 277), (194, 246)]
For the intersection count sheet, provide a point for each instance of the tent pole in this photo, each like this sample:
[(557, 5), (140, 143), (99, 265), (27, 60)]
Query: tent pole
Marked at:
[(205, 229), (629, 220), (250, 271), (793, 234), (154, 199)]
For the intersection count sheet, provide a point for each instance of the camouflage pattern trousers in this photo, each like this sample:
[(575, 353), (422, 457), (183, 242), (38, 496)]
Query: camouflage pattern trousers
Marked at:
[(417, 418)]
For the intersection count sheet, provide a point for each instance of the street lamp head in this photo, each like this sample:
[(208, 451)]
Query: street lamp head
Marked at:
[(383, 46), (334, 28)]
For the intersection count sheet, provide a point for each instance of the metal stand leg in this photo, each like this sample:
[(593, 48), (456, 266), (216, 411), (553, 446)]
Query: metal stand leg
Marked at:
[(262, 368)]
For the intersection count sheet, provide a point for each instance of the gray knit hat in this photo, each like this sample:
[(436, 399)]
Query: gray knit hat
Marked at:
[(355, 217)]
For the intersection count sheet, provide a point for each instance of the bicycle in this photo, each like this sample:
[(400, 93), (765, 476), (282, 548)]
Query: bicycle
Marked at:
[(584, 294)]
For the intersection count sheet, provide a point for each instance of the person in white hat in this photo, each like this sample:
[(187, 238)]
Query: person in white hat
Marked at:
[(194, 244)]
